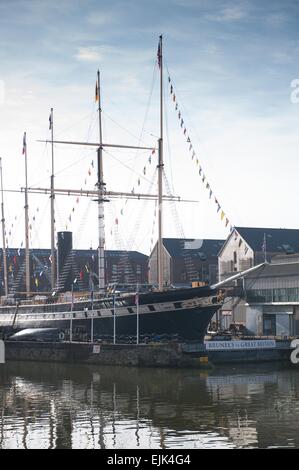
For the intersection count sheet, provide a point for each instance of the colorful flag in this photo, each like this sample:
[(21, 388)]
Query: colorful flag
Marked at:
[(264, 245), (159, 54), (50, 121), (24, 143), (97, 97)]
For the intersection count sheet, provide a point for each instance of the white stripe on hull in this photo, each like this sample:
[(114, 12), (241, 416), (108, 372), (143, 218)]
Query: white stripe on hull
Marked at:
[(7, 319)]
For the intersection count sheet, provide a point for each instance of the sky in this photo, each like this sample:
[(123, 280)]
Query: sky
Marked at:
[(233, 66)]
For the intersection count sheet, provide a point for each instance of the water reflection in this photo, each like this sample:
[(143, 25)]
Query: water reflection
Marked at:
[(66, 406)]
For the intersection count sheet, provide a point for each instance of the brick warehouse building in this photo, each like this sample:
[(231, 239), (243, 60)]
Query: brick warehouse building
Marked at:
[(82, 265)]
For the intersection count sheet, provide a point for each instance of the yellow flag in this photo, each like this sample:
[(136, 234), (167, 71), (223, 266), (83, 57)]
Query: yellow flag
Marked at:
[(222, 215)]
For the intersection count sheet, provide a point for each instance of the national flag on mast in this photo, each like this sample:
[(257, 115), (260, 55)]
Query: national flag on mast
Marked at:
[(24, 143), (264, 245), (50, 121), (97, 97), (159, 52)]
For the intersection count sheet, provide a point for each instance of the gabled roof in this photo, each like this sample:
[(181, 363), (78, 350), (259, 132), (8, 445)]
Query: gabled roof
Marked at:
[(203, 249), (280, 240)]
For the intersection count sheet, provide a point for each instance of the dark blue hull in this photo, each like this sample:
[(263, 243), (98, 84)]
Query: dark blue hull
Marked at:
[(184, 314)]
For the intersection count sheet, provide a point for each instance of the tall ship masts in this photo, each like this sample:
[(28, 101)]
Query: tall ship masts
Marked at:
[(27, 261), (181, 314), (3, 235), (101, 187), (160, 174), (52, 197)]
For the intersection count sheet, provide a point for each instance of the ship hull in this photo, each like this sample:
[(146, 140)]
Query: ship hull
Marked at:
[(183, 314)]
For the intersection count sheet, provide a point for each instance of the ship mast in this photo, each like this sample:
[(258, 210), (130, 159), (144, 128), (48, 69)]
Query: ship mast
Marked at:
[(160, 174), (101, 187), (27, 264), (52, 197), (3, 235)]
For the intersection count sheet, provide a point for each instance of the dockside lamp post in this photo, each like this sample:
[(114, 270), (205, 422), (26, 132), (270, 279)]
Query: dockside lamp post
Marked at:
[(137, 314), (114, 319), (2, 352), (72, 308), (91, 334)]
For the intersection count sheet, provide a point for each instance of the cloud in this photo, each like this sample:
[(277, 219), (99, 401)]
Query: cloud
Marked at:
[(228, 14), (89, 54), (277, 19), (102, 18)]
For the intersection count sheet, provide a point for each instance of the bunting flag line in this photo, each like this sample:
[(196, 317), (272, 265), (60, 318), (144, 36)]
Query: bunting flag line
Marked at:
[(193, 155), (138, 182)]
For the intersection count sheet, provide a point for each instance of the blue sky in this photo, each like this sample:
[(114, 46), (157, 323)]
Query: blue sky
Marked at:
[(231, 63)]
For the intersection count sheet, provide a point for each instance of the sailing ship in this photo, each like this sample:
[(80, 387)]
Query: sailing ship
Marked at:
[(160, 312)]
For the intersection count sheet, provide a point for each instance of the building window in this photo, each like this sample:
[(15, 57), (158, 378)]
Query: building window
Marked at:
[(289, 294), (235, 257)]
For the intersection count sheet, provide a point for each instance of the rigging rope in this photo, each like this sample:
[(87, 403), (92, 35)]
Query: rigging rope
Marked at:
[(195, 158)]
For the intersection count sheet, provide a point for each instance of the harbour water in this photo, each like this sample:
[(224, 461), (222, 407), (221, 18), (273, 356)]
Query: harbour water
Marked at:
[(47, 405)]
